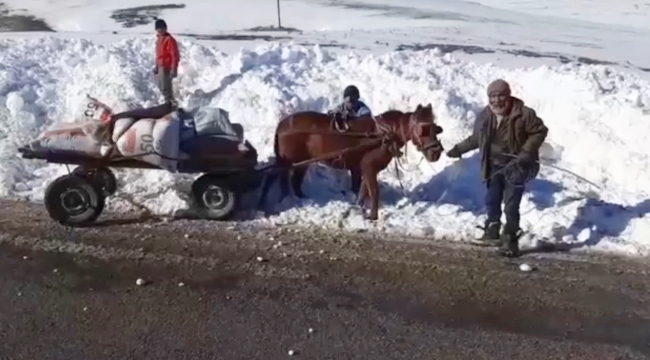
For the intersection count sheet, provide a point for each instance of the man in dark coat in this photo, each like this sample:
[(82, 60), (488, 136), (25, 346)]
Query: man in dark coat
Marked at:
[(508, 135)]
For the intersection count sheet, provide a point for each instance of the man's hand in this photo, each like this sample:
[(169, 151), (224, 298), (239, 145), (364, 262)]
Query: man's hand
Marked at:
[(524, 158), (155, 70), (174, 73), (454, 153)]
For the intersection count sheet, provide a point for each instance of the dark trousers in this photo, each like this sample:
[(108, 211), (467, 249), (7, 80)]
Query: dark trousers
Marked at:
[(506, 190)]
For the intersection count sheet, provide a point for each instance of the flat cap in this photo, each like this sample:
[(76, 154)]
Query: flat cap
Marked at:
[(498, 86)]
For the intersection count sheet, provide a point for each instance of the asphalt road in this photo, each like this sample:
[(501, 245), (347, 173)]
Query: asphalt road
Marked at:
[(72, 294)]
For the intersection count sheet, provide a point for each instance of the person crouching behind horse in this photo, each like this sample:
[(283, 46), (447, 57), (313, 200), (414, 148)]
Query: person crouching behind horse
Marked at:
[(351, 107), (508, 135)]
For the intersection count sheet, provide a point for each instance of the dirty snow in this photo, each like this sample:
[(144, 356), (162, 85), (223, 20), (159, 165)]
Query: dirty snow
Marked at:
[(598, 116)]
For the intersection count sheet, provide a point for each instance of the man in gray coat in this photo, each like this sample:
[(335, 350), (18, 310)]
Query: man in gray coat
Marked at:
[(508, 135)]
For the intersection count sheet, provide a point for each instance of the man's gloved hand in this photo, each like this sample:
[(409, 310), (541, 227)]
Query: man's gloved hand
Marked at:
[(454, 153), (524, 158), (174, 73), (155, 70)]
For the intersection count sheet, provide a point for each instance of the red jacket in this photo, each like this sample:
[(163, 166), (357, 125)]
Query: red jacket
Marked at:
[(167, 55)]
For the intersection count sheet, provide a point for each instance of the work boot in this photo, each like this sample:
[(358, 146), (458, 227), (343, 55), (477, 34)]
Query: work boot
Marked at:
[(510, 244), (490, 235)]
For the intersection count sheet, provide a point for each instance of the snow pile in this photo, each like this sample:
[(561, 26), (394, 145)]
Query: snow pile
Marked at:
[(598, 120)]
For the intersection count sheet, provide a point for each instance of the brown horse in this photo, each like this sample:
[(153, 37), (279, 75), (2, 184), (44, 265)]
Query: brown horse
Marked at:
[(365, 149)]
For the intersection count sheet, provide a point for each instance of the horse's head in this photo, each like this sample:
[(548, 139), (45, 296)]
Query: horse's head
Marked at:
[(423, 132)]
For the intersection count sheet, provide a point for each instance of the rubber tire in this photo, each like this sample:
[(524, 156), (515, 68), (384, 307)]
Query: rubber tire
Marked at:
[(57, 212), (103, 179), (199, 188)]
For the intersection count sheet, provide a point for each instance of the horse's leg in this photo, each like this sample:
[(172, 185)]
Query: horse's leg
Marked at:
[(284, 183), (266, 185), (355, 179), (372, 163), (372, 186), (363, 192), (297, 179)]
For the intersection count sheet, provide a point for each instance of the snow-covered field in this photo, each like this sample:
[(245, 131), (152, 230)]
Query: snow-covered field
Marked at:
[(598, 116)]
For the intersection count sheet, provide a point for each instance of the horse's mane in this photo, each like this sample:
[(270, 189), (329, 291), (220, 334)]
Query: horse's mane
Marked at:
[(392, 112), (390, 115), (300, 112)]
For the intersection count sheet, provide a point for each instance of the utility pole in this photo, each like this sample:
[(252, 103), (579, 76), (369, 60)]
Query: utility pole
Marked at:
[(279, 21)]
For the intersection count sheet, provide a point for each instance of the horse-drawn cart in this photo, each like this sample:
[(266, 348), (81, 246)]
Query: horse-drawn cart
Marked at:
[(213, 148), (205, 142)]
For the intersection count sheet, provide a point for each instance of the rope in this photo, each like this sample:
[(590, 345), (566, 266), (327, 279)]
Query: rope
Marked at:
[(512, 172), (514, 169), (336, 133), (336, 153), (458, 167), (515, 174)]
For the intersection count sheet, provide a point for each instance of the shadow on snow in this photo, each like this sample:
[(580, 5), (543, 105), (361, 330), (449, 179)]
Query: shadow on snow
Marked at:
[(597, 219), (459, 184)]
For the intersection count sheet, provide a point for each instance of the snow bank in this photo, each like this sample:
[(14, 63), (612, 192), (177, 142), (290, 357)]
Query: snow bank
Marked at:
[(598, 120)]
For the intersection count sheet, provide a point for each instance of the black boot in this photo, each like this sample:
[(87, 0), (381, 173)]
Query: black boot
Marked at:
[(510, 245), (490, 235)]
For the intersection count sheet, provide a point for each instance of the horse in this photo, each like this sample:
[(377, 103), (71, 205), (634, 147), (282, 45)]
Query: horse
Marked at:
[(365, 149)]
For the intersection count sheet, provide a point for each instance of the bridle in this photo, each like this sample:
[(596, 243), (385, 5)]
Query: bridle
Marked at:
[(417, 129), (394, 138)]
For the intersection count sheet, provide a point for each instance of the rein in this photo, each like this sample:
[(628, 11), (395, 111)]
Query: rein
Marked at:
[(329, 132), (385, 136), (389, 136)]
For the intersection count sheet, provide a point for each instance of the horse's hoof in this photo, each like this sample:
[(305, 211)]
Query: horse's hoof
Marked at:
[(359, 201), (269, 211)]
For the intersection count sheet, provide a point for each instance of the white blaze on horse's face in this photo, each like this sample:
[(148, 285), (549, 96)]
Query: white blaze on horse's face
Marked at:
[(425, 133)]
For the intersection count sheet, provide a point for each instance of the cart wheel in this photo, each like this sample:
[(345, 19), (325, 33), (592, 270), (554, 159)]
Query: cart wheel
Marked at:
[(213, 197), (102, 178), (71, 200)]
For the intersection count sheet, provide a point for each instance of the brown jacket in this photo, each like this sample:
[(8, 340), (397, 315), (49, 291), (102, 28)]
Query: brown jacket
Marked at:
[(525, 133)]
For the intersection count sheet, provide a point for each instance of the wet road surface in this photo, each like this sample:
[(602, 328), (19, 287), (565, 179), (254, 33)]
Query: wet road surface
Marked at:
[(72, 294)]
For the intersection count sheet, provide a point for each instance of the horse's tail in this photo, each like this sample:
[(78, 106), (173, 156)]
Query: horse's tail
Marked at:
[(276, 139)]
